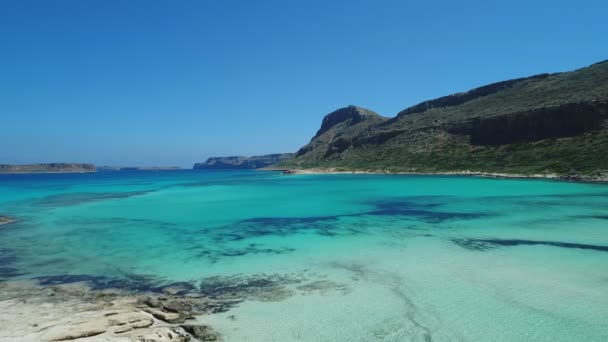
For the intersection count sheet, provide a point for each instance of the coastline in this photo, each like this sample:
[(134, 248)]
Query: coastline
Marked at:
[(98, 308), (45, 172), (551, 176), (77, 311)]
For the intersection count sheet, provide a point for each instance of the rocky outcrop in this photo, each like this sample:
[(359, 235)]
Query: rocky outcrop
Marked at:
[(238, 162), (97, 308), (348, 116), (50, 168), (340, 130), (67, 312), (201, 332)]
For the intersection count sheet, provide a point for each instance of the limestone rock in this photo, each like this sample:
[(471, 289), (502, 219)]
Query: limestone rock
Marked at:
[(201, 332), (169, 317), (164, 334), (86, 329)]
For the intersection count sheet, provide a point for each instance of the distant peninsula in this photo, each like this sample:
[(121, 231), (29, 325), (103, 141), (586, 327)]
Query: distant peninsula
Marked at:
[(47, 168), (138, 168), (239, 162), (547, 125)]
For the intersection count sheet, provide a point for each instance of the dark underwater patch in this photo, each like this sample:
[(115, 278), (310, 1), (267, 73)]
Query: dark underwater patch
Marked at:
[(119, 221), (429, 216), (597, 217), (585, 200), (224, 292), (10, 272), (95, 282), (48, 262), (8, 268), (283, 221), (129, 282), (485, 244), (278, 226), (68, 199), (260, 287), (216, 255), (422, 208)]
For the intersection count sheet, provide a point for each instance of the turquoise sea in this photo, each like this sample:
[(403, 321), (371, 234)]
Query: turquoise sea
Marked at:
[(345, 257)]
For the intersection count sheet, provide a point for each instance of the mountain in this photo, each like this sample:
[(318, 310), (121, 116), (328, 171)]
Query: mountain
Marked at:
[(48, 168), (237, 162), (544, 124)]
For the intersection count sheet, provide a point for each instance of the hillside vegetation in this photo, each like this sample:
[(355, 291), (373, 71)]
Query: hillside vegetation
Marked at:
[(544, 124)]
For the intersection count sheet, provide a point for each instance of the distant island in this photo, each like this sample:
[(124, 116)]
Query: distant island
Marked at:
[(548, 125), (138, 168), (239, 162), (47, 168), (76, 167)]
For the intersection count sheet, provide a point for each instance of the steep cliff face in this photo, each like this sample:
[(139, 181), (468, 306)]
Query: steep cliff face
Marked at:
[(50, 167), (238, 162), (567, 120), (549, 123)]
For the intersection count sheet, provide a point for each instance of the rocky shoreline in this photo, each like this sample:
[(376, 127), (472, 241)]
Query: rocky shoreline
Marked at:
[(601, 178), (94, 309), (33, 312)]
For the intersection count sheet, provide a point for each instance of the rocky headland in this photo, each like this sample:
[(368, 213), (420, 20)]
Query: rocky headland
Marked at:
[(547, 125), (239, 162)]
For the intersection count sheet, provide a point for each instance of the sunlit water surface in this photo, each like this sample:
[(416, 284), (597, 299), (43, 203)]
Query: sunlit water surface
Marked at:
[(372, 258)]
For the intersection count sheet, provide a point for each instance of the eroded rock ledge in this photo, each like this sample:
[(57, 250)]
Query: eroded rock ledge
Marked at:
[(55, 309), (32, 312)]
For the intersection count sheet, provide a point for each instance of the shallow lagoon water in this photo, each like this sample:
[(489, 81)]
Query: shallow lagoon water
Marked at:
[(366, 257)]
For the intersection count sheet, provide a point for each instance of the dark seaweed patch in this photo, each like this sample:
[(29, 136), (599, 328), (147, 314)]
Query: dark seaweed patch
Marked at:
[(425, 210), (422, 208), (232, 181), (48, 262), (284, 221), (129, 282), (117, 221), (473, 245), (554, 200), (10, 272), (67, 199), (281, 226), (216, 255), (598, 217), (261, 287), (8, 268), (485, 244)]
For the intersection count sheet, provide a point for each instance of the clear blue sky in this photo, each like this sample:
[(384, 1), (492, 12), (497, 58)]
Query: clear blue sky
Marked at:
[(173, 82)]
